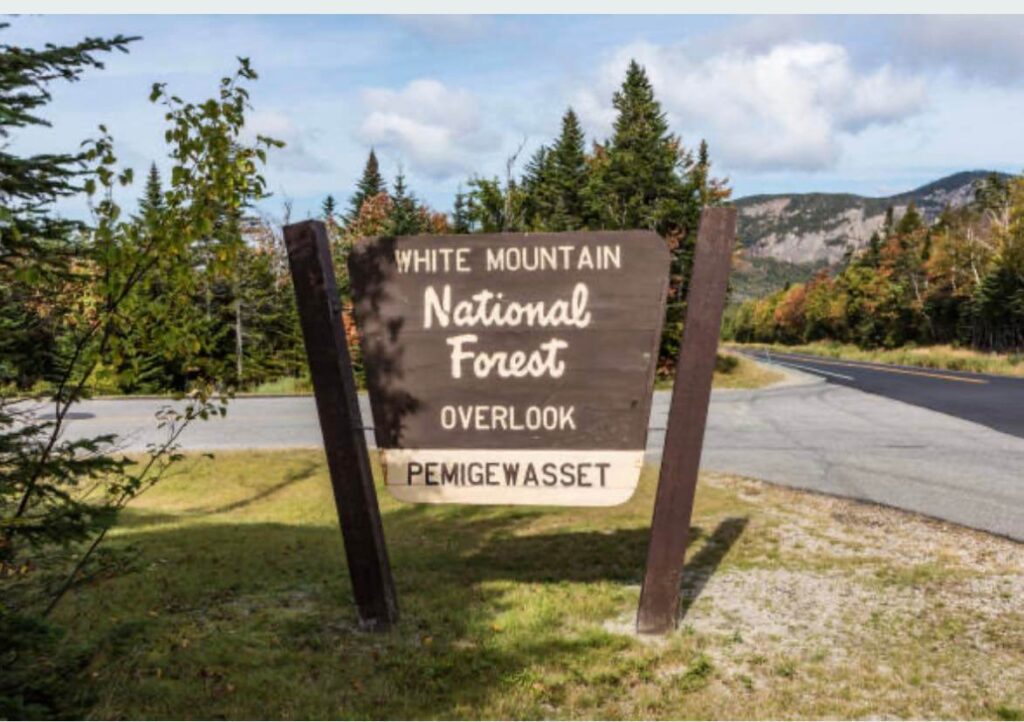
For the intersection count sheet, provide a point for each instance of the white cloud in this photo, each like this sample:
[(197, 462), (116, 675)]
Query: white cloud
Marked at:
[(434, 128), (296, 154), (787, 106)]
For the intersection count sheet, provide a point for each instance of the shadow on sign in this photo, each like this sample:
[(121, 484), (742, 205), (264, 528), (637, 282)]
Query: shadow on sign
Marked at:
[(382, 350)]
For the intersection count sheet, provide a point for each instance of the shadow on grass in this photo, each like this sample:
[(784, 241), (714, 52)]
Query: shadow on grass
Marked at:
[(487, 614), (133, 518), (703, 564), (290, 478)]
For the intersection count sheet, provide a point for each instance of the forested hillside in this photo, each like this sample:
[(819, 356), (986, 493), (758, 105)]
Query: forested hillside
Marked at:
[(959, 279), (753, 277), (813, 228)]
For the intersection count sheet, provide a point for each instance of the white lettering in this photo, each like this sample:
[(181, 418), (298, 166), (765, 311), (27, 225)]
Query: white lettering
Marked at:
[(610, 256), (432, 306), (485, 308), (518, 364), (432, 260), (508, 418)]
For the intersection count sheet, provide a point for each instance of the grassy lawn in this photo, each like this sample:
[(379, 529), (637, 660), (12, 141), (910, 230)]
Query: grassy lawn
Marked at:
[(933, 357), (238, 605)]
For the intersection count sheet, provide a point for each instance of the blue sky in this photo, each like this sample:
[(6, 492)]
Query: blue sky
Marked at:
[(865, 104)]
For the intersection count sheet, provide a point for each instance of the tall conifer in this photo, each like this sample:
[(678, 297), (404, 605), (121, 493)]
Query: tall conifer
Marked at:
[(640, 185), (460, 213), (538, 190), (152, 200), (329, 209), (405, 215), (370, 184), (568, 176)]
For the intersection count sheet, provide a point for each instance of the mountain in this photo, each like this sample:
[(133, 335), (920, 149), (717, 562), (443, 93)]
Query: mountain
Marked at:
[(808, 229)]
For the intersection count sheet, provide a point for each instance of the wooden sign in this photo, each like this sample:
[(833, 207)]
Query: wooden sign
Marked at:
[(511, 368), (337, 404), (687, 418)]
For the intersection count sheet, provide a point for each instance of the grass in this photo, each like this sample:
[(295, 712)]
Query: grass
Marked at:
[(284, 386), (948, 358), (733, 371), (737, 372), (238, 605)]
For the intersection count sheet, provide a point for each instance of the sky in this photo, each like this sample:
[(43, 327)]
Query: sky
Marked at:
[(863, 104)]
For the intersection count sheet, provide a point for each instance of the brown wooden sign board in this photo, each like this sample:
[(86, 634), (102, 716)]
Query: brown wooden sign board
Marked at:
[(511, 368), (554, 337)]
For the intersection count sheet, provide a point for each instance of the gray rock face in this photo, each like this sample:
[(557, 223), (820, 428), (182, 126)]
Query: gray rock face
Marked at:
[(809, 228)]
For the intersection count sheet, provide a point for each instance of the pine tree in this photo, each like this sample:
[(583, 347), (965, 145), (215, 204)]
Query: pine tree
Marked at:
[(538, 192), (370, 184), (142, 361), (640, 186), (702, 189), (405, 215), (568, 176), (643, 178), (42, 476), (910, 221), (889, 224), (329, 209), (460, 213), (487, 205), (873, 255), (152, 200)]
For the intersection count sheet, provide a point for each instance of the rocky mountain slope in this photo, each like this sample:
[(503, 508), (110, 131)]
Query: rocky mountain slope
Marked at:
[(818, 228)]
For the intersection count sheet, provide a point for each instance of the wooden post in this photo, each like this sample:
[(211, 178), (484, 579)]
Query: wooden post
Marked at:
[(684, 436), (337, 403)]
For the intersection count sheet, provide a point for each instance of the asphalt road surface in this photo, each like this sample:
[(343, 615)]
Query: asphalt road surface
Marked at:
[(993, 401), (815, 432)]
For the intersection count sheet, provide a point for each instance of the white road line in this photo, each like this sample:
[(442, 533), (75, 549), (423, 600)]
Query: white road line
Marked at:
[(790, 364)]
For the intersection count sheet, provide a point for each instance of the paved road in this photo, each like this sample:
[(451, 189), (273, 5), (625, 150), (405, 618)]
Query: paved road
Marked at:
[(813, 434), (993, 401)]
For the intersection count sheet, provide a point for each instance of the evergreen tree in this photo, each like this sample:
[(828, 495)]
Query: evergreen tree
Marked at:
[(37, 251), (460, 213), (639, 185), (889, 224), (487, 206), (370, 184), (329, 209), (701, 189), (59, 496), (910, 221), (710, 191), (873, 255), (568, 179), (152, 201), (262, 306), (31, 237), (538, 190), (405, 212)]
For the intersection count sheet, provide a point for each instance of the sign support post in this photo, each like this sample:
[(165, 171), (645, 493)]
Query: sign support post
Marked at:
[(691, 394), (337, 403)]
